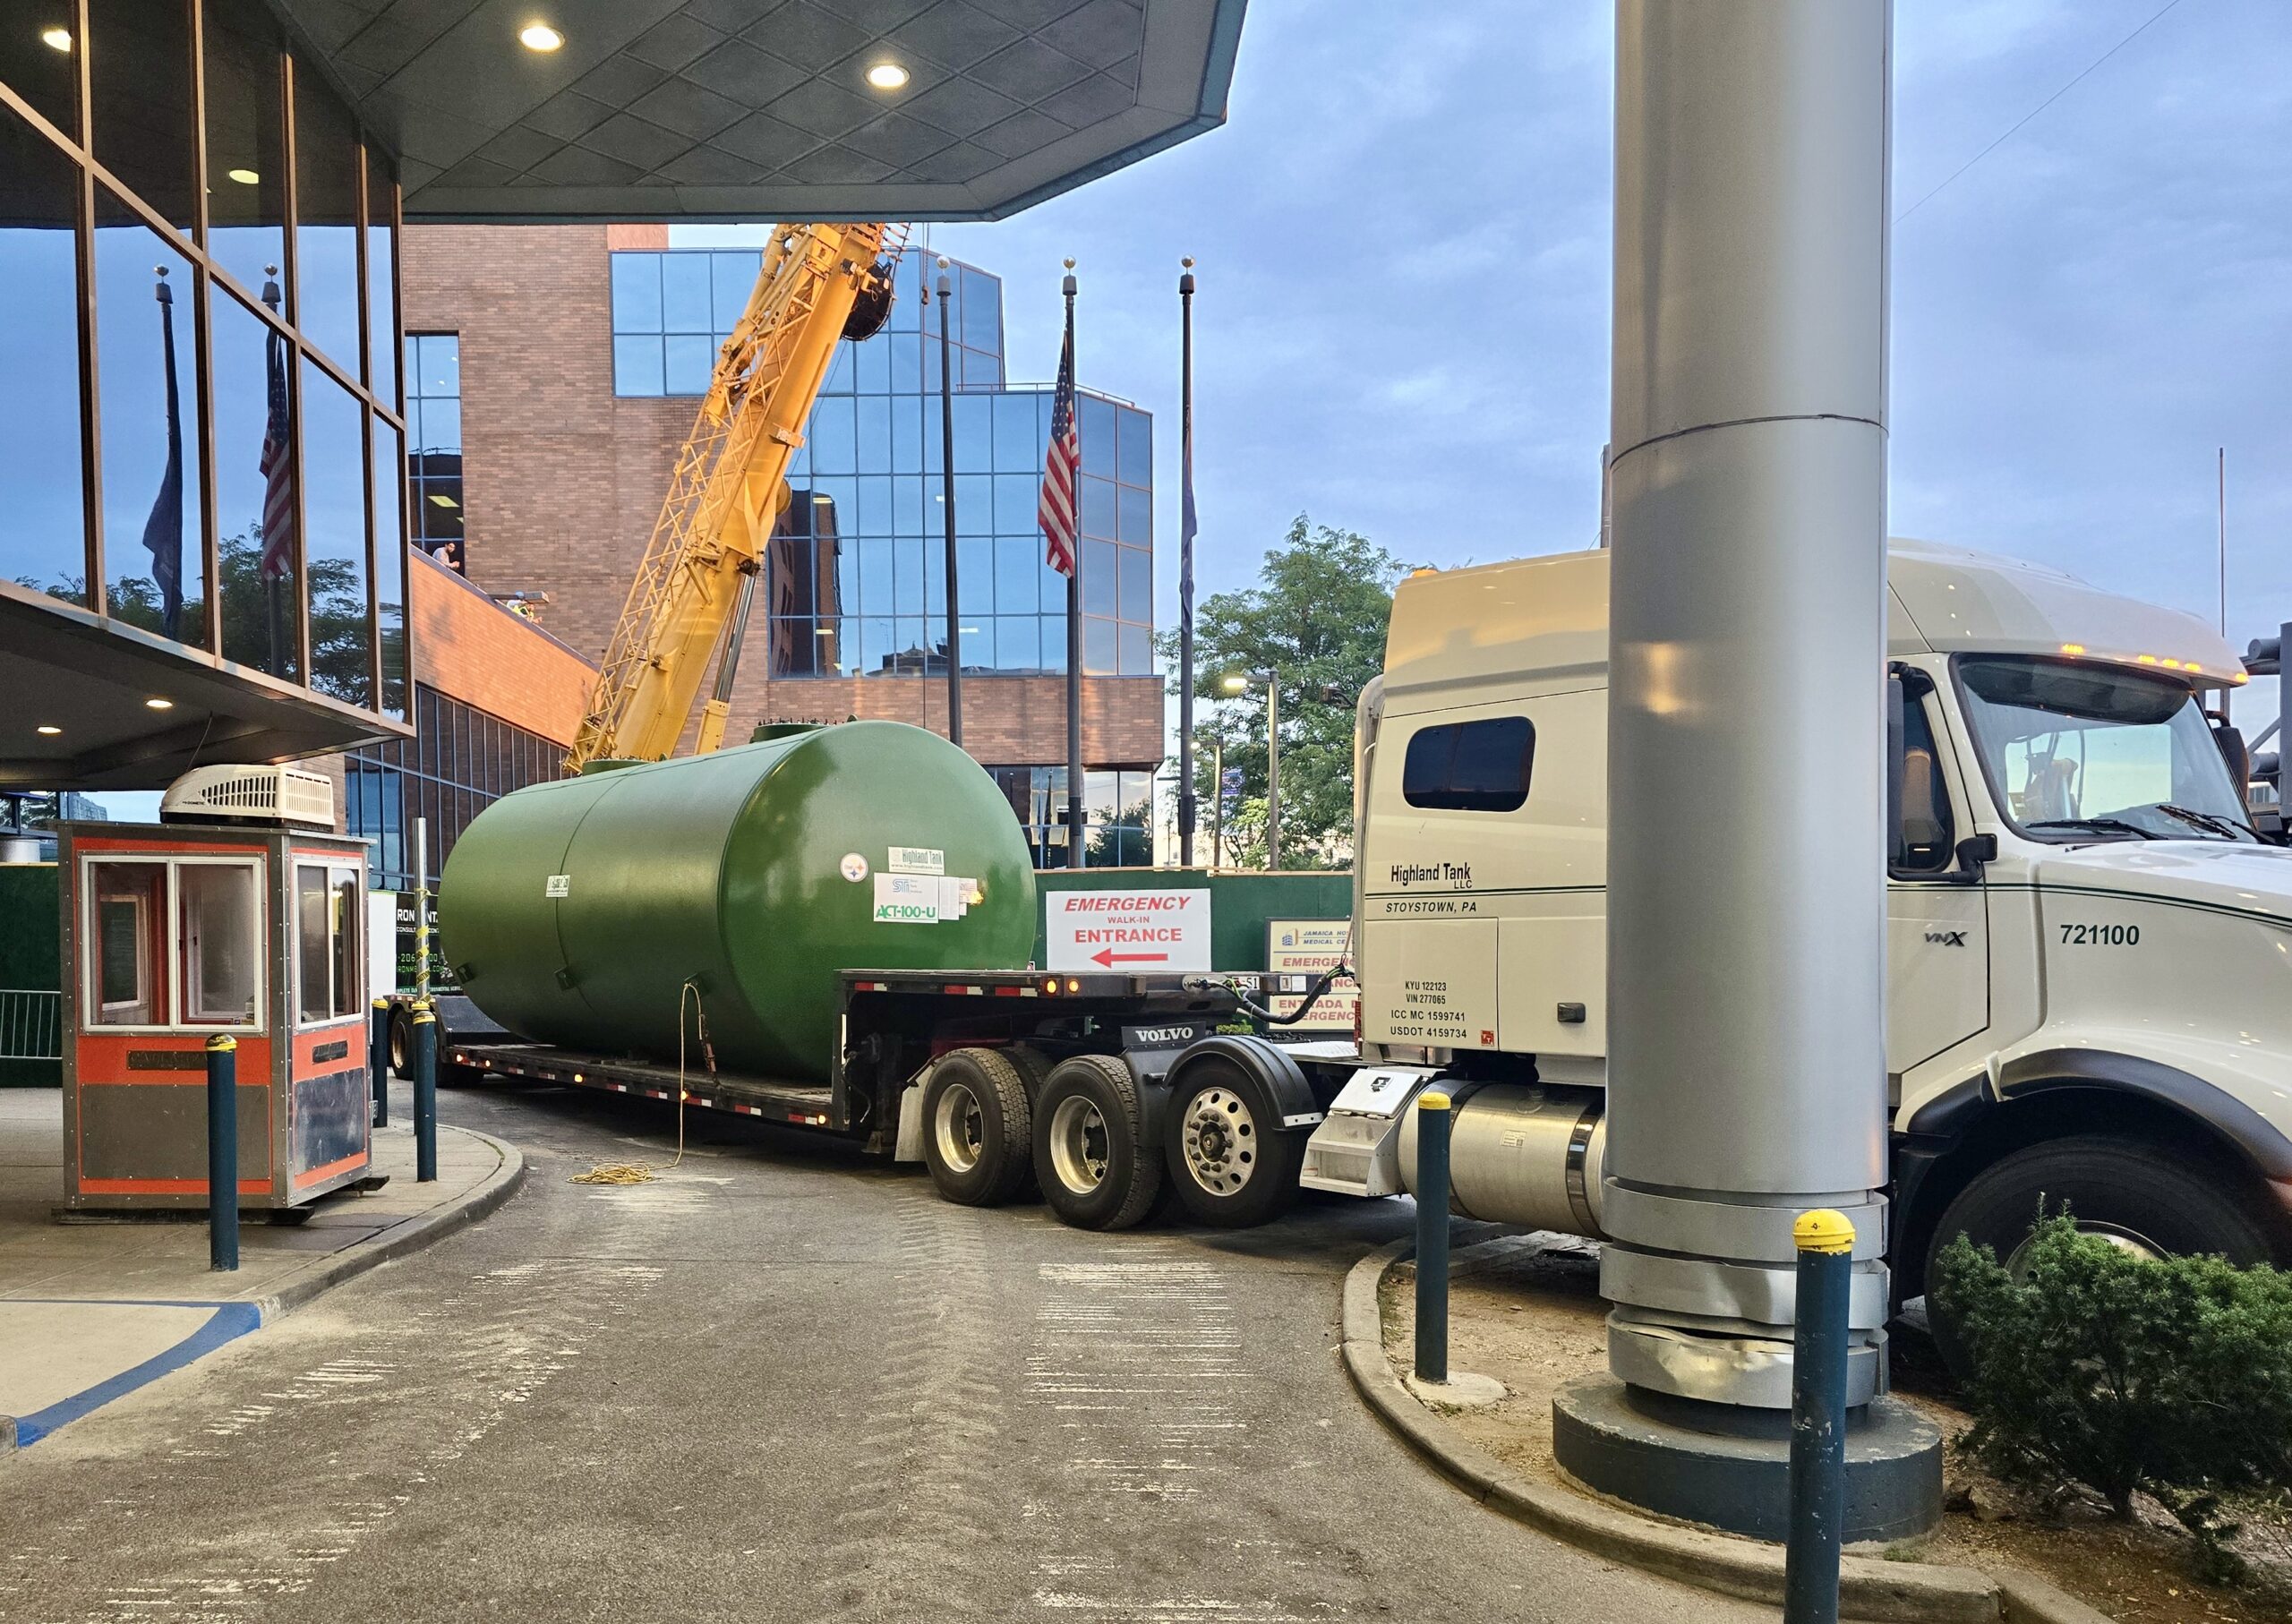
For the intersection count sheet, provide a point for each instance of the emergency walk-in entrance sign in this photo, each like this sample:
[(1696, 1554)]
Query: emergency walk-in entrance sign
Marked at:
[(1143, 932)]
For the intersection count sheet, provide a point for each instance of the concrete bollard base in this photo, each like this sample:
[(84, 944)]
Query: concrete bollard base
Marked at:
[(1463, 1390), (1643, 1448)]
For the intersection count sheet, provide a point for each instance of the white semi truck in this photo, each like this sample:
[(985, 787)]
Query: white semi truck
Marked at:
[(2090, 952)]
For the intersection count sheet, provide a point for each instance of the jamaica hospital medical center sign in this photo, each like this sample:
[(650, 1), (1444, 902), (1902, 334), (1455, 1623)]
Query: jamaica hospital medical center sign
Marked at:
[(1143, 932)]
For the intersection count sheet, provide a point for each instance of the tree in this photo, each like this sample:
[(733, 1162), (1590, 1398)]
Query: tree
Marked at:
[(1316, 619)]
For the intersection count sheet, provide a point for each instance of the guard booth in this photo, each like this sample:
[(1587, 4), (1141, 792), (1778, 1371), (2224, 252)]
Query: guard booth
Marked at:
[(239, 913)]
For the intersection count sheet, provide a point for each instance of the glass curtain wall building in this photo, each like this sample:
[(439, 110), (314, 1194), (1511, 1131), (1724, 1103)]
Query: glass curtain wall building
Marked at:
[(200, 431), (856, 584), (460, 761)]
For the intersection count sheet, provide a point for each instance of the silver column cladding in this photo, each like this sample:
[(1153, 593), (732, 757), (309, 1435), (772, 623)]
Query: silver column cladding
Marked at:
[(1746, 899)]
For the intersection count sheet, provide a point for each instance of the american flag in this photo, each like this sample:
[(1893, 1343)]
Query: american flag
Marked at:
[(278, 474), (1055, 511)]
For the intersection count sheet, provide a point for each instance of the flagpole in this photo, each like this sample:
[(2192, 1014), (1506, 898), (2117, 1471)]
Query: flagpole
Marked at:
[(1186, 807), (1073, 637), (947, 500)]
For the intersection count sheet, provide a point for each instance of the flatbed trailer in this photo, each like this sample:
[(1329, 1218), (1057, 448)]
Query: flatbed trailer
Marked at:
[(953, 1070)]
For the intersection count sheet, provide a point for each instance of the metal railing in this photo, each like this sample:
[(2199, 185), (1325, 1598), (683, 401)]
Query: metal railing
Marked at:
[(31, 1024)]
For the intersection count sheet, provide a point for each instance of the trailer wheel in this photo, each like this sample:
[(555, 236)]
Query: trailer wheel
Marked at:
[(1230, 1162), (976, 1130), (1091, 1158), (401, 1041), (2151, 1202)]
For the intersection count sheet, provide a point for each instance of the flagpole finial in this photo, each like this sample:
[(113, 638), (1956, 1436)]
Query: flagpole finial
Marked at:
[(1070, 261), (1188, 262)]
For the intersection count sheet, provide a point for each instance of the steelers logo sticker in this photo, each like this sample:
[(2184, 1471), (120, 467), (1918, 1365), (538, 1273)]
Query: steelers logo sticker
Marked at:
[(854, 867)]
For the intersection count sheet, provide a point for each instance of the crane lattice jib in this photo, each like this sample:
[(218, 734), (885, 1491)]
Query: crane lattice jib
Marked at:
[(729, 486)]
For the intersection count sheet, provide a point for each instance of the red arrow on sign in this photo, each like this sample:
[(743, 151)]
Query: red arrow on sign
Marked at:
[(1109, 958)]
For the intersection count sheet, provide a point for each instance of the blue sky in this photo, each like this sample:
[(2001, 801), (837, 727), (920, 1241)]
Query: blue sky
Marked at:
[(1403, 244)]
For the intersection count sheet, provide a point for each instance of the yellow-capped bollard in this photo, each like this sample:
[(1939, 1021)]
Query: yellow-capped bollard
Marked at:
[(1824, 1240), (378, 1060), (223, 1153), (1433, 1119), (425, 1093)]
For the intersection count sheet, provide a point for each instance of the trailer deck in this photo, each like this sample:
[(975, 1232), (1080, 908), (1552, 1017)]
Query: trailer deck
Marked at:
[(807, 1106)]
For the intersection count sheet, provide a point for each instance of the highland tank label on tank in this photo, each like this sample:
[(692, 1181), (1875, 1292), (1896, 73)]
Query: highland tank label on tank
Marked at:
[(916, 859)]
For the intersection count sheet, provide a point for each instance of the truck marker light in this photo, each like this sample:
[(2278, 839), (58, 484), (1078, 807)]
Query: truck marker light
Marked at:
[(1073, 986), (2073, 648)]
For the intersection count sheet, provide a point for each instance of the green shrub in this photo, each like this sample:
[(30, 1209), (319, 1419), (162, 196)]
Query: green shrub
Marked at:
[(2119, 1376)]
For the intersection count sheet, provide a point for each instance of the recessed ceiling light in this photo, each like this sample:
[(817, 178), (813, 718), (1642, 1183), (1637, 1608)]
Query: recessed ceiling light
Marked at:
[(49, 728), (887, 76), (160, 704), (540, 36), (442, 500), (245, 177), (57, 38)]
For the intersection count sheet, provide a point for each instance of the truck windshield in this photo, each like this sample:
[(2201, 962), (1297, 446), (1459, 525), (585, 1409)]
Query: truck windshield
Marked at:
[(2082, 752)]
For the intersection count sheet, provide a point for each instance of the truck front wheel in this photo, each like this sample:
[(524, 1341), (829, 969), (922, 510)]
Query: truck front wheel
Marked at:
[(1230, 1162), (977, 1128), (2151, 1201), (1091, 1158)]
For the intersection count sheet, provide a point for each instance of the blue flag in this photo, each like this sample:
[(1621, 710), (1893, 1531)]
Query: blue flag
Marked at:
[(163, 531)]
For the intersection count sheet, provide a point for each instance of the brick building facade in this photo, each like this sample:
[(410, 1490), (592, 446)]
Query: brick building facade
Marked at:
[(561, 476)]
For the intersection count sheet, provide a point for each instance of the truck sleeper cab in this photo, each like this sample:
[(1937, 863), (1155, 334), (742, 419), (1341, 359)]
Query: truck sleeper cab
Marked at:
[(2087, 943)]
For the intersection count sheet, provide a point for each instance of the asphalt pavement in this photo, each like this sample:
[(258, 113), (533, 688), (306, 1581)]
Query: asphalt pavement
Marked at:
[(785, 1383)]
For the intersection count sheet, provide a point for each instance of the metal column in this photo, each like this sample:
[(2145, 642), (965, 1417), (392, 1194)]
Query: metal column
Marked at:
[(1745, 900)]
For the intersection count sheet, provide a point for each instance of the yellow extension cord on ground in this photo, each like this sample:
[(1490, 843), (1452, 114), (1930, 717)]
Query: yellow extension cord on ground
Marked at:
[(644, 1173)]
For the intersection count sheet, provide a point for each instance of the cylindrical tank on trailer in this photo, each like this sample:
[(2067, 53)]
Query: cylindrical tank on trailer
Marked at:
[(574, 912)]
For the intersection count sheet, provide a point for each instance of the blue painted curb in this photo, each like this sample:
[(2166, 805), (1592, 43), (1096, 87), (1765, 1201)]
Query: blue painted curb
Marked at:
[(229, 1321)]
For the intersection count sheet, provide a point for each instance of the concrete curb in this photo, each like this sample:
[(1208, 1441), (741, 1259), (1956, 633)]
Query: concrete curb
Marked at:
[(409, 1234), (1870, 1588)]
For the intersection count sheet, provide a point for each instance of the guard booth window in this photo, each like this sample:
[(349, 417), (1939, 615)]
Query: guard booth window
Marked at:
[(328, 908), (1470, 766), (210, 912)]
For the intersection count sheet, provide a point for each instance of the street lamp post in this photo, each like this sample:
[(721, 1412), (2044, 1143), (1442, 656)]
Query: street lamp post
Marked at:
[(1240, 682)]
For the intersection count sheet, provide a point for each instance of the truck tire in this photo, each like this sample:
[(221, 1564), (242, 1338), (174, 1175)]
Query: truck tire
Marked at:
[(1092, 1158), (977, 1130), (2152, 1201), (401, 1042), (1230, 1162)]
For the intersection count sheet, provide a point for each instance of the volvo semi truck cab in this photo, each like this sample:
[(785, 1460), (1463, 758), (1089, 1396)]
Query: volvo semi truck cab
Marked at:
[(2089, 950)]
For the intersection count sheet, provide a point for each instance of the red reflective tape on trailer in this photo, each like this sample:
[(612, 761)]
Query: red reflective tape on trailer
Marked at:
[(1013, 992)]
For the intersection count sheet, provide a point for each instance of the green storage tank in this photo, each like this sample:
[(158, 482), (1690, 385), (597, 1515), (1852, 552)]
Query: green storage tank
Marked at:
[(575, 911)]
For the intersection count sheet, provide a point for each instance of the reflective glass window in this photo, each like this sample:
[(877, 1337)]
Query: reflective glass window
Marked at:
[(907, 508), (687, 359), (1097, 428), (981, 319), (1018, 576), (833, 445), (975, 577), (636, 364), (43, 517), (1101, 575), (979, 370), (731, 278), (1018, 448), (907, 578), (1136, 447), (1018, 498), (327, 160), (139, 68), (1136, 654), (390, 569), (636, 293), (872, 364), (246, 158), (685, 294), (1101, 508), (39, 61), (975, 504), (147, 354), (875, 442), (1099, 654), (254, 489), (974, 434), (906, 362), (875, 509), (382, 278), (1054, 642), (1137, 516), (433, 417), (334, 503), (978, 637), (1137, 567)]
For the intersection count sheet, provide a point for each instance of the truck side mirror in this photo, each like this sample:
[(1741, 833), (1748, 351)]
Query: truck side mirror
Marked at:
[(1974, 850), (2238, 755)]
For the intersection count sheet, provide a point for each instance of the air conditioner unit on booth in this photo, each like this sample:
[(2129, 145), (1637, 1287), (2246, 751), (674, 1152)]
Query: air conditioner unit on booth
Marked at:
[(265, 795)]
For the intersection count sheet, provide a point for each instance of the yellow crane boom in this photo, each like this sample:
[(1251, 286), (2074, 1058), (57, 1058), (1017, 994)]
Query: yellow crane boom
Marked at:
[(692, 591)]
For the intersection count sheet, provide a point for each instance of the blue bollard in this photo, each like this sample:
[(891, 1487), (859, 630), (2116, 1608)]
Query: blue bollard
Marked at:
[(425, 1093), (1432, 1122), (1825, 1243), (223, 1153), (378, 1061)]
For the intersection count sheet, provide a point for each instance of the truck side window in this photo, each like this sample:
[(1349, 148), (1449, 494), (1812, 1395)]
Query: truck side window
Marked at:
[(1929, 843), (1470, 766)]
